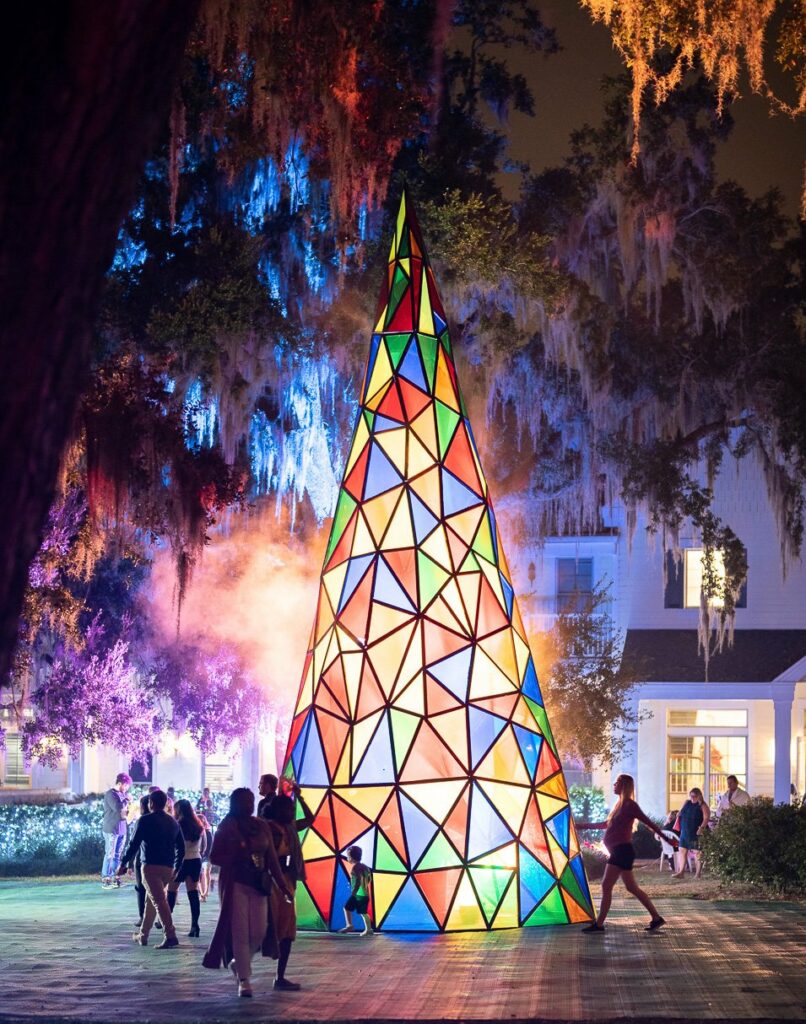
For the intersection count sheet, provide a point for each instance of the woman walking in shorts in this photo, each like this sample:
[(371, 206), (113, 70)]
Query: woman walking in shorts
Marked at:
[(618, 840)]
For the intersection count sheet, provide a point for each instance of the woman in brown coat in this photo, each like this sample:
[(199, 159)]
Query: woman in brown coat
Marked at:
[(243, 849)]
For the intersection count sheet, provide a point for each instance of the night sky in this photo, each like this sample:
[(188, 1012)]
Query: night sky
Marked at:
[(762, 152)]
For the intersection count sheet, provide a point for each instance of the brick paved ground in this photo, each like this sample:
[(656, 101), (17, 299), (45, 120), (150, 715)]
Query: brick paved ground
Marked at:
[(66, 954)]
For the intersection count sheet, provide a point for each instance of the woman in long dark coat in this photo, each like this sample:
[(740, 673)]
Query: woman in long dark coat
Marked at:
[(244, 851)]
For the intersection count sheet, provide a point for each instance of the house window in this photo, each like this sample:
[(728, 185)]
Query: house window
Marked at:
[(684, 580), (686, 767), (694, 558), (704, 762), (15, 774), (574, 584), (727, 755), (218, 772), (142, 770), (720, 718)]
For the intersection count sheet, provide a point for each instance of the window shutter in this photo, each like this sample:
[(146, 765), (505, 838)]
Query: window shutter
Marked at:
[(673, 596)]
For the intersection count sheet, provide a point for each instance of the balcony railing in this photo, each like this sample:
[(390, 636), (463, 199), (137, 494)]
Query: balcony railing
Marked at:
[(541, 611)]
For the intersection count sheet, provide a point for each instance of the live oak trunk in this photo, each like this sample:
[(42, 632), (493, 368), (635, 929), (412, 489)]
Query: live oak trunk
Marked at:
[(85, 88)]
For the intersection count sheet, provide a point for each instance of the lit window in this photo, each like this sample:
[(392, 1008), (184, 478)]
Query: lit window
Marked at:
[(218, 772), (574, 584), (704, 762), (694, 573), (719, 718), (15, 775)]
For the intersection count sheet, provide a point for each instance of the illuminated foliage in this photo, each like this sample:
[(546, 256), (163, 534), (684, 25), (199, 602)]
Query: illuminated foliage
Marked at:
[(723, 38)]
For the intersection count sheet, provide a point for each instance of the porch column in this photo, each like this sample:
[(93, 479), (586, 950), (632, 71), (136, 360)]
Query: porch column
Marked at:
[(783, 748), (627, 763)]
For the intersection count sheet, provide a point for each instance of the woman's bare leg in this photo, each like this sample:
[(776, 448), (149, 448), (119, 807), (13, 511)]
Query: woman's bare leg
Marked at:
[(610, 878), (680, 862), (634, 889)]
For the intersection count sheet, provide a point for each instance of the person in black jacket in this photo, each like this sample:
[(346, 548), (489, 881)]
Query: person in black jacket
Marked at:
[(139, 888), (159, 840)]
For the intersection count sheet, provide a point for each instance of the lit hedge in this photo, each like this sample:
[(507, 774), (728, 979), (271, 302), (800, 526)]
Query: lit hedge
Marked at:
[(63, 839)]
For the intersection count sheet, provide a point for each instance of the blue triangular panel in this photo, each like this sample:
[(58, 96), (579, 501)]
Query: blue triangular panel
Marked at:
[(535, 882), (376, 766), (382, 423), (486, 830), (367, 843), (531, 687), (454, 672), (438, 322), (412, 368), (484, 730), (579, 873), (299, 747), (381, 474), (341, 893), (374, 345), (424, 521), (558, 826), (530, 744), (388, 591), (420, 830), (355, 573), (455, 496), (313, 770), (409, 912), (509, 594)]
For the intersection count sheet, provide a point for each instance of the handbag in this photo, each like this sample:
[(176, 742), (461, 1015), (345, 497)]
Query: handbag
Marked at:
[(264, 877)]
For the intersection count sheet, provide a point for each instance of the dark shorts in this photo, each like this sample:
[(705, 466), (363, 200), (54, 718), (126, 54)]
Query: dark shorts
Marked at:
[(622, 856), (190, 870), (357, 903)]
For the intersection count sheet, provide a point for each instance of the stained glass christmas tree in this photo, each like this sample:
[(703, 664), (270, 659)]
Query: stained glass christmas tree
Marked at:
[(420, 733)]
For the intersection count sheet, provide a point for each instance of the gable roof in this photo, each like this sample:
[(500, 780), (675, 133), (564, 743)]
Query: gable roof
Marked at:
[(672, 655)]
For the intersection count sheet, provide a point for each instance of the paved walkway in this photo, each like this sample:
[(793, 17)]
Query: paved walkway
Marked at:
[(66, 954)]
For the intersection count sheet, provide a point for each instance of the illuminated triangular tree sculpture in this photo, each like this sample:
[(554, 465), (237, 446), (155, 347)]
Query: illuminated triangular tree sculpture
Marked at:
[(419, 732)]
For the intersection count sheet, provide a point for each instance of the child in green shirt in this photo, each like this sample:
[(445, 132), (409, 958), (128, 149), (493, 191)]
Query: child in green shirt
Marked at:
[(361, 880)]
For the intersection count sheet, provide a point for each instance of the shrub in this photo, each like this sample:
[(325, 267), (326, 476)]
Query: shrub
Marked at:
[(587, 803), (645, 842), (62, 838), (760, 843)]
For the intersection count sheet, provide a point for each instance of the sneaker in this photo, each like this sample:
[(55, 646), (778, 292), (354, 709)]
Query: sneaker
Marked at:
[(140, 939), (106, 883), (116, 883), (594, 927), (653, 926), (244, 990), (286, 985), (169, 942), (234, 970)]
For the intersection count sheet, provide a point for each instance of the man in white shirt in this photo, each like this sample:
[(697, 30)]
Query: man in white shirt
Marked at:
[(732, 797)]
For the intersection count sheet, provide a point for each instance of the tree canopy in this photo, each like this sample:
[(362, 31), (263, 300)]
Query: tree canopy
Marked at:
[(653, 309)]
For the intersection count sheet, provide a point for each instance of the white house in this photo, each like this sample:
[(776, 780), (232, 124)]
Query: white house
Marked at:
[(746, 715), (178, 763)]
